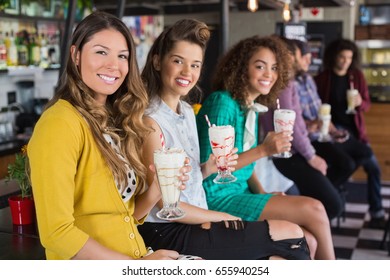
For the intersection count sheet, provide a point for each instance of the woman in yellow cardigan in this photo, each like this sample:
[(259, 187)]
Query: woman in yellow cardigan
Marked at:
[(84, 153)]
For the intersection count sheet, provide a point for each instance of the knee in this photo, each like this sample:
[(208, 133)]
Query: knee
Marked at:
[(316, 211), (371, 166), (280, 230), (311, 243), (350, 167)]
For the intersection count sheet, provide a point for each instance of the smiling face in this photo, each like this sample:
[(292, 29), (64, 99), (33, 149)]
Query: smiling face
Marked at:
[(263, 73), (180, 69), (103, 63)]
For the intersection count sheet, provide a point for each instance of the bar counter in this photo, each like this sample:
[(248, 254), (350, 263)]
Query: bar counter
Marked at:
[(18, 242)]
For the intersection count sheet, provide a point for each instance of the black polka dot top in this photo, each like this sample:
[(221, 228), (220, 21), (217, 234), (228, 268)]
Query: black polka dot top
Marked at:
[(128, 191)]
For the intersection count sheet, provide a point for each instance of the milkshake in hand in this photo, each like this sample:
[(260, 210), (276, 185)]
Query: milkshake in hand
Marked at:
[(222, 143), (351, 93), (284, 121), (325, 117), (168, 163)]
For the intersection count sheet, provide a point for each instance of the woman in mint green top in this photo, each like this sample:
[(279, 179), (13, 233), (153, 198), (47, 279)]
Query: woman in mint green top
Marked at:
[(222, 109), (256, 66)]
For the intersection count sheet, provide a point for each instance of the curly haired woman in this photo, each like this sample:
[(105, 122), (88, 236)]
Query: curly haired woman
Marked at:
[(256, 66)]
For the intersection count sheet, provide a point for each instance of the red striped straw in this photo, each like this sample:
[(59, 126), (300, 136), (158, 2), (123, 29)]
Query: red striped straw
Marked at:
[(162, 141), (207, 120), (277, 104)]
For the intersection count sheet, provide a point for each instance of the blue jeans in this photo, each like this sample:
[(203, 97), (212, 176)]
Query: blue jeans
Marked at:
[(374, 197)]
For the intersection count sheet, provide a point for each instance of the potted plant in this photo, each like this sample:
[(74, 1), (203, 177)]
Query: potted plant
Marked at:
[(22, 205)]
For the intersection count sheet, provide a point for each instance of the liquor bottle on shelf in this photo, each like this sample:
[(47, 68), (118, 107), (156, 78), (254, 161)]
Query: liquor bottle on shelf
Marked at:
[(54, 49), (44, 52), (22, 43), (34, 51), (12, 51)]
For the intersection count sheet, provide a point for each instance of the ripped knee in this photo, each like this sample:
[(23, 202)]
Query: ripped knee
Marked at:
[(280, 230), (231, 224), (234, 224)]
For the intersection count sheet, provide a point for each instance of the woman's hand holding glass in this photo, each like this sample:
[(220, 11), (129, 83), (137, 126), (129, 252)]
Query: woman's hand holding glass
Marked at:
[(184, 177), (275, 143), (172, 168), (211, 163)]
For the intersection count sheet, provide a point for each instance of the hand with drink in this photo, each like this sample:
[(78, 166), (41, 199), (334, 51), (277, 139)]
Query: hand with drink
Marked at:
[(325, 117), (222, 144), (169, 163), (351, 95), (284, 122), (210, 166)]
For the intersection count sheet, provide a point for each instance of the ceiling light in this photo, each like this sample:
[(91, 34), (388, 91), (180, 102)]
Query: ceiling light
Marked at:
[(286, 11), (253, 5)]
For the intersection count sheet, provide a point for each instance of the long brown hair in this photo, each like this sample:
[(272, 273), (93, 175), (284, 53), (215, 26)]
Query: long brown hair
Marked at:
[(232, 70), (189, 30), (121, 117)]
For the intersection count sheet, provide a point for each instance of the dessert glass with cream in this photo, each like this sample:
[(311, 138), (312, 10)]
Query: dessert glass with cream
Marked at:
[(168, 163)]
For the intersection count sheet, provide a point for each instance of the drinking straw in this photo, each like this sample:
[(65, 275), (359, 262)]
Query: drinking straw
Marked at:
[(277, 104), (351, 84), (207, 120), (162, 141)]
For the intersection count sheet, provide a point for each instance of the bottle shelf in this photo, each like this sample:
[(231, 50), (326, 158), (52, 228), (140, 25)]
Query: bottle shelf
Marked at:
[(18, 17)]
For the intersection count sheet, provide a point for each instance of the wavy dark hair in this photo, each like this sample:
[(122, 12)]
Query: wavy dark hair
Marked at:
[(232, 70), (189, 30), (121, 117), (337, 46)]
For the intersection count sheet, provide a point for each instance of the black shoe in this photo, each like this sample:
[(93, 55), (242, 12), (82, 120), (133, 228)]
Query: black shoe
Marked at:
[(377, 223)]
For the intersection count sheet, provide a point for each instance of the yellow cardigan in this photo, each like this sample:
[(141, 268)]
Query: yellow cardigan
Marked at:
[(74, 190)]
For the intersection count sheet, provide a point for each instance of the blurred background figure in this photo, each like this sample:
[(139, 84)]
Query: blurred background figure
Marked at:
[(342, 74)]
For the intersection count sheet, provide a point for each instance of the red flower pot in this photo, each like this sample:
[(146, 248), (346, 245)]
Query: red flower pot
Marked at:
[(22, 210)]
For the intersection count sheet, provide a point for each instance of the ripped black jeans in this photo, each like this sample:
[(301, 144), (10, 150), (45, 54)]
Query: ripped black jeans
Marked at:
[(225, 240)]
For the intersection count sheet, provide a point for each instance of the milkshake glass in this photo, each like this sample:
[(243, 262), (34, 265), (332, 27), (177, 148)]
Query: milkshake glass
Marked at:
[(284, 121), (168, 163), (325, 117), (351, 93), (222, 143)]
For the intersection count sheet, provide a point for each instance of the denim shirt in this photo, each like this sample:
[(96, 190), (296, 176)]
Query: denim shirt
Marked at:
[(180, 131)]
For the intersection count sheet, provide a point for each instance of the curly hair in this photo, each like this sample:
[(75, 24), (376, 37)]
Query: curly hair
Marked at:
[(121, 117), (232, 70), (337, 46), (189, 30)]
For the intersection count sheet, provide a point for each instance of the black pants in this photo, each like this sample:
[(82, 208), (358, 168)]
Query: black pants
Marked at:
[(225, 240), (313, 183), (364, 156), (340, 163)]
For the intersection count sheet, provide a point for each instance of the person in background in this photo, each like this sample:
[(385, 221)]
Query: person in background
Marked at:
[(254, 67), (84, 155), (305, 167), (171, 74), (341, 71), (342, 163)]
